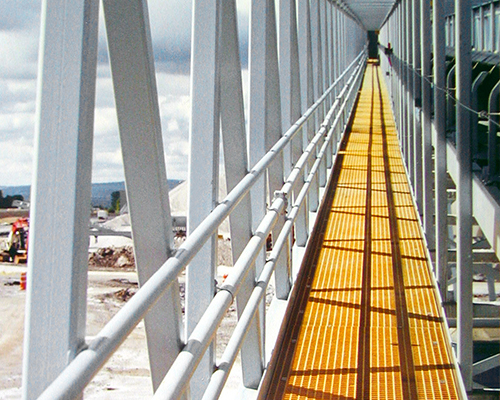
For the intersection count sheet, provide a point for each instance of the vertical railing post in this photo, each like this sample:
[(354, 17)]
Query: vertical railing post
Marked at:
[(307, 90), (317, 54), (234, 140), (343, 53), (264, 101), (317, 88), (289, 74), (291, 98), (416, 105), (464, 188), (404, 86), (400, 81), (428, 203), (409, 92), (440, 168), (338, 53)]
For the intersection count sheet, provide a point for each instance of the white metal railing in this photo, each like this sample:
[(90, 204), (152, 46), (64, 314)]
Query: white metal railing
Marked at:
[(74, 378)]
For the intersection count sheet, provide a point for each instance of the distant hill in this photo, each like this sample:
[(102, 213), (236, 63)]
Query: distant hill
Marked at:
[(13, 190), (101, 192)]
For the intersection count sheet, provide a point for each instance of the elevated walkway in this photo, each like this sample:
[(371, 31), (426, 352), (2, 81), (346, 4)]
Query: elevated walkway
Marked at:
[(366, 321)]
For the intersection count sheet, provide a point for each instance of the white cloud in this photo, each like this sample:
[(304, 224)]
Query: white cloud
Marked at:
[(19, 51), (16, 154), (172, 125), (18, 14), (171, 34), (19, 33)]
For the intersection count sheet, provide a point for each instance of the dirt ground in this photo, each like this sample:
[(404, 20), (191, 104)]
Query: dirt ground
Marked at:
[(126, 375)]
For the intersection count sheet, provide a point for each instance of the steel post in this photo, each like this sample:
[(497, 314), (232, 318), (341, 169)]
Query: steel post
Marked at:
[(404, 86), (203, 174), (427, 186), (440, 168), (410, 165), (306, 83), (132, 68), (464, 188), (56, 301), (234, 144), (417, 104)]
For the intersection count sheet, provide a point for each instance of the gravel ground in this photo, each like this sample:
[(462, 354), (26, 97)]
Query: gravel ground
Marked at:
[(112, 281)]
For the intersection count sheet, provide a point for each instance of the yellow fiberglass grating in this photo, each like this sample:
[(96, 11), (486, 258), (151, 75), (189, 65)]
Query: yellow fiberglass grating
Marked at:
[(385, 372), (371, 326)]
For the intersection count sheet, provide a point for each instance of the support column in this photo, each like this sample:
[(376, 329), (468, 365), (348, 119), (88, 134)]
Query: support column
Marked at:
[(416, 105), (234, 142), (132, 68), (56, 300), (440, 168), (265, 98), (289, 74), (464, 188), (203, 174), (404, 86), (409, 92), (428, 203), (291, 100)]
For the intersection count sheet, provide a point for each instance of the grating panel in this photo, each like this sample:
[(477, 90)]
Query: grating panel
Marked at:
[(368, 323)]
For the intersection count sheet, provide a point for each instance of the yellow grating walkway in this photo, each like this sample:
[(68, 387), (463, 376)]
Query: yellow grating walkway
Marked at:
[(366, 323)]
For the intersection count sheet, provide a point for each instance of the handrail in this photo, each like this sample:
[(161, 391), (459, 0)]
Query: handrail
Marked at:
[(73, 379), (176, 380), (228, 358)]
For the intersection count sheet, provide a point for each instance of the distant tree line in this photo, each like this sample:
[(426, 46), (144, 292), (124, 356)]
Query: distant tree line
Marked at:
[(115, 202), (6, 202)]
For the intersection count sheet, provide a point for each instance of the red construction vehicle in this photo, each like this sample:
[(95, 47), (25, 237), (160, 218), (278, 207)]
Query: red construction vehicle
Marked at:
[(15, 249)]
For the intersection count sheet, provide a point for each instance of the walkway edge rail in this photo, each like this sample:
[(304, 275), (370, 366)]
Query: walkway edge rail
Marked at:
[(73, 379), (176, 380), (228, 358)]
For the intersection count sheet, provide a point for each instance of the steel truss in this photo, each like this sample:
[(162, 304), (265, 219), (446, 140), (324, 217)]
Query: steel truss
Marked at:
[(305, 69), (423, 136)]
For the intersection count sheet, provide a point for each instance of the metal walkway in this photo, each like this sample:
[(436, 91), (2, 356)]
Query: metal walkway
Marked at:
[(367, 321)]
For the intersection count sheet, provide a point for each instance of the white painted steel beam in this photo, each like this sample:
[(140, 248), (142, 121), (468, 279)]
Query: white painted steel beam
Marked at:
[(410, 107), (427, 187), (265, 120), (290, 87), (289, 72), (132, 68), (305, 75), (464, 189), (307, 86), (69, 65), (203, 174), (236, 164), (486, 364), (440, 158), (416, 105), (56, 301)]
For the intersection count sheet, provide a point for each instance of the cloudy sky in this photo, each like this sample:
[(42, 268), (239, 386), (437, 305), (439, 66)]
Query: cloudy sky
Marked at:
[(19, 37)]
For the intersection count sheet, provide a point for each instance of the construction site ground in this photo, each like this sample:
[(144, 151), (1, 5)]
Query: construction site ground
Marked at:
[(126, 375)]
